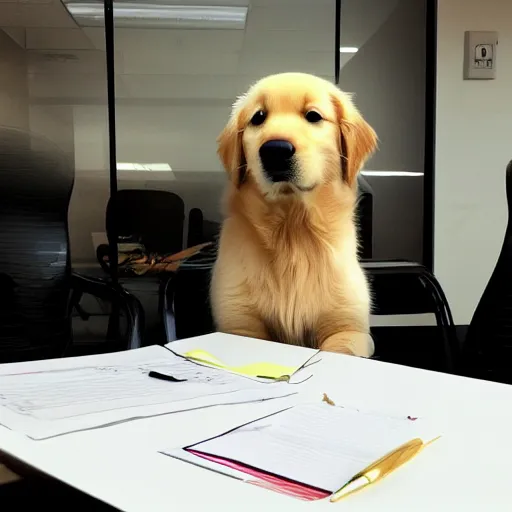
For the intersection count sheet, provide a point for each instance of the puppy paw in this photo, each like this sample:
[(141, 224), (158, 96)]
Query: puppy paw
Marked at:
[(353, 344)]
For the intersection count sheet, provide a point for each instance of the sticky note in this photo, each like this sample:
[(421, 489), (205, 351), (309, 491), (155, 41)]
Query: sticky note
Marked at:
[(261, 369)]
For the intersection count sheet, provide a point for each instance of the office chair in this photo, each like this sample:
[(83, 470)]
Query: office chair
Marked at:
[(185, 298), (400, 288), (201, 230), (487, 351), (37, 286), (409, 288), (152, 218)]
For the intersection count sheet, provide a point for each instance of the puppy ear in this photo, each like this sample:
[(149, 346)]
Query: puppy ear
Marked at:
[(230, 150), (358, 140)]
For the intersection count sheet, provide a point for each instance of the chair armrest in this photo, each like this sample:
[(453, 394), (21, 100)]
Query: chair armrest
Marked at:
[(387, 267), (119, 298)]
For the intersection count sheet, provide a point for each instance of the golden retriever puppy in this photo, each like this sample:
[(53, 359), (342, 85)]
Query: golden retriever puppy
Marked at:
[(287, 267)]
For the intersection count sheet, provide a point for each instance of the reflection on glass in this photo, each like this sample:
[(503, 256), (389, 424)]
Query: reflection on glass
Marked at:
[(178, 76), (56, 87), (383, 56), (180, 65)]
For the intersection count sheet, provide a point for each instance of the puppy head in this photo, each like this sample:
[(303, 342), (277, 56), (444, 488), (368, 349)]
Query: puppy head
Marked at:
[(293, 132)]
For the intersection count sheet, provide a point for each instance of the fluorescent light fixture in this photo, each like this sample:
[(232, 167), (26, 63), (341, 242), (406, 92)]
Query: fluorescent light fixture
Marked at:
[(143, 167), (158, 15), (391, 173), (348, 49)]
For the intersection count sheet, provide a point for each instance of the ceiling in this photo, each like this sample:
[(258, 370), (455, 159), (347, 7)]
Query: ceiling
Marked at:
[(66, 64)]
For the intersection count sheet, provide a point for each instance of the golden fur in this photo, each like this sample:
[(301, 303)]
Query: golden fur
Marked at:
[(287, 267)]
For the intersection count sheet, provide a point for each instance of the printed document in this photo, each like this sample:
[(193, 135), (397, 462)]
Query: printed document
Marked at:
[(43, 399)]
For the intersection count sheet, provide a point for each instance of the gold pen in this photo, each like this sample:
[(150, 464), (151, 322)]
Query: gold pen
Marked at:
[(382, 467)]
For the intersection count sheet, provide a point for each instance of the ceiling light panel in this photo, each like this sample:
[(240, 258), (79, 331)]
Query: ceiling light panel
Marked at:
[(154, 15)]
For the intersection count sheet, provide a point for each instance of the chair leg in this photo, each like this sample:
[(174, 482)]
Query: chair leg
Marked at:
[(113, 329), (444, 320)]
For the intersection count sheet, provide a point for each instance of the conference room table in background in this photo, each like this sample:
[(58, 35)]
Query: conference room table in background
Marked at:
[(467, 469)]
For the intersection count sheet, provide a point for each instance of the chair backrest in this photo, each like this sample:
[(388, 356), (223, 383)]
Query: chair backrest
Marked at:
[(154, 217), (36, 180), (364, 217), (186, 304), (488, 346), (201, 230)]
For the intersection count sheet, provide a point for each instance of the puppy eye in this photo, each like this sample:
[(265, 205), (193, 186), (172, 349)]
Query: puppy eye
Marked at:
[(313, 116), (258, 118)]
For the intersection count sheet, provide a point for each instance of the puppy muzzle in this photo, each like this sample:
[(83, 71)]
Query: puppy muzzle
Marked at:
[(277, 159)]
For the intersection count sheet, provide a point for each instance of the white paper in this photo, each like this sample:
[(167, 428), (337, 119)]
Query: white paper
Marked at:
[(315, 444), (49, 398)]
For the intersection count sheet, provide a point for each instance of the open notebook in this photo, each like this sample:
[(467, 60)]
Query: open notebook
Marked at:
[(308, 451)]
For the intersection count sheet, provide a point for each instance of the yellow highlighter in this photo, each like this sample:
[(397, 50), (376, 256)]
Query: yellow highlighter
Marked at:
[(382, 467), (262, 370)]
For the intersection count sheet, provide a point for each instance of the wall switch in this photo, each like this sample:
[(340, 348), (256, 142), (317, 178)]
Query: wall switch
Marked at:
[(480, 55)]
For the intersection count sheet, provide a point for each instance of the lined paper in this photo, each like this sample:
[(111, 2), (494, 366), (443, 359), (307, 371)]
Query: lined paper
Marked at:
[(316, 444)]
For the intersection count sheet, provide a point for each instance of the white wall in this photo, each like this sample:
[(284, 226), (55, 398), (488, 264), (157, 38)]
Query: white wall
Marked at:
[(474, 144)]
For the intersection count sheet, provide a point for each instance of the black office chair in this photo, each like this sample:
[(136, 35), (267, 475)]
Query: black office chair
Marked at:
[(487, 351), (185, 299), (397, 288), (201, 230), (409, 288), (152, 218), (37, 287)]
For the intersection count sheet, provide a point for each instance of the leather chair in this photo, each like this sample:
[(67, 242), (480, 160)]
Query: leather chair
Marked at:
[(487, 351), (153, 218)]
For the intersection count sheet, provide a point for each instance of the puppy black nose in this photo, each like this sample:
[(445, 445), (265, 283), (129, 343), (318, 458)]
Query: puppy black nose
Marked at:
[(276, 158)]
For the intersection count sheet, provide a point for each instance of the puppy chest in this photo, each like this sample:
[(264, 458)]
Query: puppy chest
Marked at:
[(290, 305)]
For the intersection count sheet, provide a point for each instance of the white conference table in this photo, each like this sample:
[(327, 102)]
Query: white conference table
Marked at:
[(467, 469)]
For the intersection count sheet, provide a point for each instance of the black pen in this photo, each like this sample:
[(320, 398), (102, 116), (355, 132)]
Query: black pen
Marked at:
[(162, 376)]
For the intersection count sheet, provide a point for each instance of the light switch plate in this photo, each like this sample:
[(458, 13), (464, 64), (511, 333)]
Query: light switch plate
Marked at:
[(480, 50)]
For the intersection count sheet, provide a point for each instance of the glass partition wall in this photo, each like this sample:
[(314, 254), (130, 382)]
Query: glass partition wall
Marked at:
[(53, 83), (167, 73), (180, 64), (385, 61), (177, 66)]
